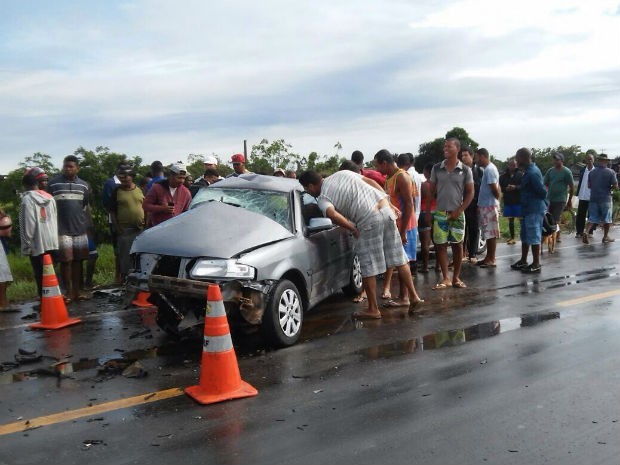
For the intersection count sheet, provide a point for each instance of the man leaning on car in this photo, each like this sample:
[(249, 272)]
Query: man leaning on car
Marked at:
[(360, 205)]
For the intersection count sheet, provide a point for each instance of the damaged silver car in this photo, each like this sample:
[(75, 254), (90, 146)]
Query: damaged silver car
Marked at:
[(263, 241)]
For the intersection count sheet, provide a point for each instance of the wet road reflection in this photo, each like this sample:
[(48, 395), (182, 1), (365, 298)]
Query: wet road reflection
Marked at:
[(455, 337)]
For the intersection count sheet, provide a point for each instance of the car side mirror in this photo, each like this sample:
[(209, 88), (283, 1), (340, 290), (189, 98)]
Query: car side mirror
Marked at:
[(319, 224)]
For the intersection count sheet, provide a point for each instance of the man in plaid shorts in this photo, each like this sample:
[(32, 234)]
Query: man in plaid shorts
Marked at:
[(360, 205)]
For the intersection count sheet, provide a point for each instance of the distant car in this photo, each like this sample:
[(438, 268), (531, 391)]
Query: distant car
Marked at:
[(262, 240)]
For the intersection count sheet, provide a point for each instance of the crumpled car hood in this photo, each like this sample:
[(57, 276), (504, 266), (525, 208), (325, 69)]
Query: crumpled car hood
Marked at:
[(213, 229)]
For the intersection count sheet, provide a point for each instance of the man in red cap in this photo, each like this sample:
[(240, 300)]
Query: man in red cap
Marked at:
[(238, 162)]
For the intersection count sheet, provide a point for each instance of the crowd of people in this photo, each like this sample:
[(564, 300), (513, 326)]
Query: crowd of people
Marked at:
[(453, 202), (389, 209)]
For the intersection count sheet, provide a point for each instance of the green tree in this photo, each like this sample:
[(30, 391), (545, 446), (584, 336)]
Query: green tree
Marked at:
[(311, 163), (195, 165), (42, 160), (432, 152), (544, 157), (329, 165), (265, 157), (462, 135), (429, 152)]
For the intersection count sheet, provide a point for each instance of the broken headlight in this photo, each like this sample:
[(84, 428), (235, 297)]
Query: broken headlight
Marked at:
[(223, 269)]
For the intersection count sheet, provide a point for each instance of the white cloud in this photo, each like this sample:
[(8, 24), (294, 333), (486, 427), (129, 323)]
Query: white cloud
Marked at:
[(159, 77)]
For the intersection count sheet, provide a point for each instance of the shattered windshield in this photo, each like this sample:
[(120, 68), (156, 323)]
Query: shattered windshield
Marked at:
[(273, 205)]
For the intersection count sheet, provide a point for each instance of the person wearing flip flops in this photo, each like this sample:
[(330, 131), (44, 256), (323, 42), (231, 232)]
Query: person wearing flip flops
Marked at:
[(602, 180), (359, 205), (453, 185), (488, 207), (533, 207), (402, 191)]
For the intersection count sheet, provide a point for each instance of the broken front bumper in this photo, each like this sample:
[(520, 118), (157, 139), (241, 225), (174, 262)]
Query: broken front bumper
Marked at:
[(246, 297)]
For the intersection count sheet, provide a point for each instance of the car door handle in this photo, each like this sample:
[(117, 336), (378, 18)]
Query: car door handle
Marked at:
[(334, 242)]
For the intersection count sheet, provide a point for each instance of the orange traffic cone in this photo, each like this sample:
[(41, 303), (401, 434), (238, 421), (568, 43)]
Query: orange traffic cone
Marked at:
[(219, 374), (141, 300), (54, 313)]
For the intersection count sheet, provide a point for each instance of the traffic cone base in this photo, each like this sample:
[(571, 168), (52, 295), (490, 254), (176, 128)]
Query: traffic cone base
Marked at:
[(54, 313), (141, 300), (202, 397), (219, 373), (67, 322)]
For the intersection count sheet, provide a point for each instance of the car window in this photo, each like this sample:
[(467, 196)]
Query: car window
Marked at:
[(309, 208), (273, 205)]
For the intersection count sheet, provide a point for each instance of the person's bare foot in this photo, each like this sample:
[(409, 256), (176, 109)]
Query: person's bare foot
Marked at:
[(367, 315)]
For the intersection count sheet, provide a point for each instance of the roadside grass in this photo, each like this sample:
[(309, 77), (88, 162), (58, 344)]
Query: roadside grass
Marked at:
[(24, 288)]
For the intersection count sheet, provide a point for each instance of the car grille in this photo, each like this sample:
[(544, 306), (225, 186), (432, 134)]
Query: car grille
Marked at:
[(168, 266)]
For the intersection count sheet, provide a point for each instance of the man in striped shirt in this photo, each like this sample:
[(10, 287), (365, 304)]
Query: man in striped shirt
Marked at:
[(360, 205), (71, 196)]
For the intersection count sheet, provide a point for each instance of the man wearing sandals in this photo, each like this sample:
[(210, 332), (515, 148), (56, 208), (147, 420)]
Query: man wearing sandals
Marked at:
[(453, 184), (533, 207), (488, 207), (360, 205), (601, 181)]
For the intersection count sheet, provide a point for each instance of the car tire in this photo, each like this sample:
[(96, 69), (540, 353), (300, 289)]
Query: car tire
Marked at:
[(284, 315), (355, 285)]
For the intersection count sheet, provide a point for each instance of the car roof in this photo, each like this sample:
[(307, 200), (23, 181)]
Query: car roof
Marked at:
[(260, 182)]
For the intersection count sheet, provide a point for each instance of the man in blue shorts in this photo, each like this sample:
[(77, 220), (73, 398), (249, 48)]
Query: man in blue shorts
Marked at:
[(601, 182), (453, 184), (533, 207)]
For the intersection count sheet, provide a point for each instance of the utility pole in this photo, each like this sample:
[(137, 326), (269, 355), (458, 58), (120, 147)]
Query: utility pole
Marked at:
[(245, 150)]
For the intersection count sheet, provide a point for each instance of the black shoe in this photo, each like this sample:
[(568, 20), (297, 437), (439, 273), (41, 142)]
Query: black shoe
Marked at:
[(530, 269), (518, 265)]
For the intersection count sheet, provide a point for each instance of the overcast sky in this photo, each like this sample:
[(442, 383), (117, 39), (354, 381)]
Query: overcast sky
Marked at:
[(163, 79)]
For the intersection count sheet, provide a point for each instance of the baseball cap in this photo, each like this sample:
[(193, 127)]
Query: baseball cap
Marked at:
[(558, 156), (281, 171), (125, 169), (237, 158), (36, 172), (210, 160), (178, 168)]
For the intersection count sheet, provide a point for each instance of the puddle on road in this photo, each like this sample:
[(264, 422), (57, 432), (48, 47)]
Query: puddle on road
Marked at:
[(455, 337)]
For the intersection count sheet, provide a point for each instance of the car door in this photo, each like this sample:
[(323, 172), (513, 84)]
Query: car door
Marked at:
[(324, 253)]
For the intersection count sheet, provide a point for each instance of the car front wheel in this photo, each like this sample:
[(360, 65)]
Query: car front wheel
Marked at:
[(284, 315), (355, 285)]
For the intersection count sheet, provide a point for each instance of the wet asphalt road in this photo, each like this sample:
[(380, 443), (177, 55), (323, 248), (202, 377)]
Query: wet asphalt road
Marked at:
[(515, 369)]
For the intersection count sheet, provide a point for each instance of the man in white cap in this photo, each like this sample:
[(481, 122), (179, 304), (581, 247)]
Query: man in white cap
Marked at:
[(209, 176), (210, 162), (169, 197)]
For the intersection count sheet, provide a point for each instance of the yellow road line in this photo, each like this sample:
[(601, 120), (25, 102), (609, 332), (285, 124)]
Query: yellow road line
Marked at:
[(69, 415), (588, 298)]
